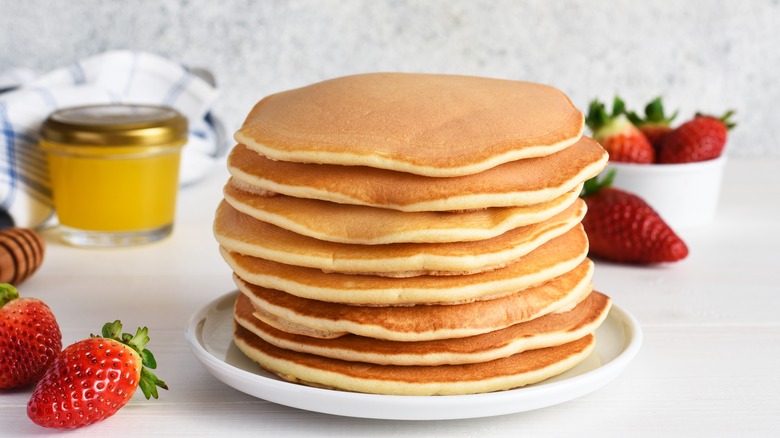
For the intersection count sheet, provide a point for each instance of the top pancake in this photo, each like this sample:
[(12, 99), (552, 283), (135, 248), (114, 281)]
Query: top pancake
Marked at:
[(426, 124), (517, 183)]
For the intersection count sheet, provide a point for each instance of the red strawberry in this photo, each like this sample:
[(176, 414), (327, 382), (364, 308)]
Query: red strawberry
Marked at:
[(623, 228), (656, 124), (622, 140), (700, 139), (30, 338), (92, 379)]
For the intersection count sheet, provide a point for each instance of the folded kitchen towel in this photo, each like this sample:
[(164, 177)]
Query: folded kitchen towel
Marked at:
[(27, 98)]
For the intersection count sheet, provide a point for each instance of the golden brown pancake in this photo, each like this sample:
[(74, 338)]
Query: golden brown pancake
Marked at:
[(520, 369), (554, 258), (522, 182), (426, 124), (363, 225), (246, 235), (546, 331), (422, 322)]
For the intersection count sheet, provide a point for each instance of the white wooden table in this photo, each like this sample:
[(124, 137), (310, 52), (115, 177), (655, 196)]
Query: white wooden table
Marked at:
[(709, 365)]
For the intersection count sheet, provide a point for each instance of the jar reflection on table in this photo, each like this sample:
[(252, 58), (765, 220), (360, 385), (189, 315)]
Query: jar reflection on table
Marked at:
[(114, 172)]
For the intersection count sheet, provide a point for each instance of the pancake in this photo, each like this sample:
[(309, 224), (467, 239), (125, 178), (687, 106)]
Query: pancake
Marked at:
[(238, 232), (520, 369), (554, 258), (426, 124), (422, 322), (546, 331), (363, 225), (522, 182)]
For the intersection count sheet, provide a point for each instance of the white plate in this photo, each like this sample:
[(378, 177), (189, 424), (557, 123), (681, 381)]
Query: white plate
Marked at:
[(209, 333)]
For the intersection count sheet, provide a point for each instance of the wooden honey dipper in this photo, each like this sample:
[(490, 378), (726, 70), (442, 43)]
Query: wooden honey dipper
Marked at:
[(21, 254)]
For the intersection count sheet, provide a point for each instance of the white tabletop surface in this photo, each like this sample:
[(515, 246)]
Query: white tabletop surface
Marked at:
[(709, 365)]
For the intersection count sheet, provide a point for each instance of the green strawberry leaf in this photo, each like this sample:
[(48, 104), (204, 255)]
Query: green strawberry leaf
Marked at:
[(147, 359), (597, 116), (603, 124), (8, 293), (149, 383), (618, 107), (595, 185), (654, 115), (111, 330)]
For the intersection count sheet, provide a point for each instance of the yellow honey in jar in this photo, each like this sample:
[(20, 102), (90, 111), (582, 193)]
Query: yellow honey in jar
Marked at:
[(114, 172)]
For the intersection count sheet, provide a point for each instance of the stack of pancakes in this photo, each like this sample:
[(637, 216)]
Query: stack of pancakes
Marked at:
[(412, 234)]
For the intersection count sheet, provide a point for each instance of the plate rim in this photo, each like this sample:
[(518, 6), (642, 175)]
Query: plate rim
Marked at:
[(410, 407)]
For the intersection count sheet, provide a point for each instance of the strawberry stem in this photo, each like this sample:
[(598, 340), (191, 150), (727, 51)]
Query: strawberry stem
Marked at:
[(112, 330), (139, 341), (725, 118), (148, 382), (594, 185), (618, 107), (654, 114), (8, 293), (603, 124), (598, 117)]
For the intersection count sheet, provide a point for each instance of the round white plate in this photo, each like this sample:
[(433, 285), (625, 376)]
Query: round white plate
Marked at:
[(210, 333)]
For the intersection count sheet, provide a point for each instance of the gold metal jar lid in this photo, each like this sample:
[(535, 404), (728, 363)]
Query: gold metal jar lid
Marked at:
[(116, 125)]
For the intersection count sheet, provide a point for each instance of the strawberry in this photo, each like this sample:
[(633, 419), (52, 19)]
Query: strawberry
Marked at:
[(615, 132), (700, 139), (30, 338), (622, 227), (93, 378), (655, 124)]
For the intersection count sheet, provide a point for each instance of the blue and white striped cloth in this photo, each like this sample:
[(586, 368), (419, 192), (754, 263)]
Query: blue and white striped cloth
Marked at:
[(26, 99)]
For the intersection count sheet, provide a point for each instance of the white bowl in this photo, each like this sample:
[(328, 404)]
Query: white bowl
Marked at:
[(685, 195)]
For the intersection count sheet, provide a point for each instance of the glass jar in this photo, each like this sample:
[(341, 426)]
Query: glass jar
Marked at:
[(114, 171)]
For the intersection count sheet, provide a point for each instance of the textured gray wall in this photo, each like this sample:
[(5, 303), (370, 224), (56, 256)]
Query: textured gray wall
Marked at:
[(700, 54)]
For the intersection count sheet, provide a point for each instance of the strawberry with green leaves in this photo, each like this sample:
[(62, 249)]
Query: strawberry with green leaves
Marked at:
[(617, 135), (93, 378), (655, 124), (623, 228), (30, 338), (700, 139)]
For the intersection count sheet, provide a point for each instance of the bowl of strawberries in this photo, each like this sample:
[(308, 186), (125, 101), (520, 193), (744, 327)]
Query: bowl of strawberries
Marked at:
[(677, 170)]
